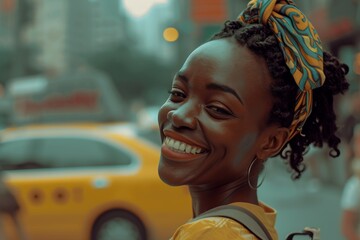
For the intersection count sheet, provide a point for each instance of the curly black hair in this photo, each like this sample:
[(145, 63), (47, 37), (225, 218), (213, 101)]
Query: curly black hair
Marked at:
[(321, 126)]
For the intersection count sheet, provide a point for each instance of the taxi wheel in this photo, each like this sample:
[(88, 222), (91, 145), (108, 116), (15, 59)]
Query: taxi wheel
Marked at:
[(118, 225)]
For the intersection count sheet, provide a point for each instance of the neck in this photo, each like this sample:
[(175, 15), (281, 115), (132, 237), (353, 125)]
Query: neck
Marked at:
[(207, 197)]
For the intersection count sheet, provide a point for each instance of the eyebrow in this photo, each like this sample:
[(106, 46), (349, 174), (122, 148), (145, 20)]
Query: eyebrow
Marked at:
[(214, 86), (182, 77), (224, 88)]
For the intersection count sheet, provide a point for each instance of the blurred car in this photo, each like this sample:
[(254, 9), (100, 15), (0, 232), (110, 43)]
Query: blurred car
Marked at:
[(89, 181)]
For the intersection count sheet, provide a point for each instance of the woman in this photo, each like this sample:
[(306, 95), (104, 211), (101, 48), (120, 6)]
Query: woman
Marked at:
[(240, 99)]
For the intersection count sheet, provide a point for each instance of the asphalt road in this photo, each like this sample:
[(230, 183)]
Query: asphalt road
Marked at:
[(301, 203)]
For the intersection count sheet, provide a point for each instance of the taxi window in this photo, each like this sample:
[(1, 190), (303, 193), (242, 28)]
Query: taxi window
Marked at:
[(80, 152), (17, 154)]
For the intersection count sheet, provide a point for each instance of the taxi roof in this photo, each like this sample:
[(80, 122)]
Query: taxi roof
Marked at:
[(123, 128)]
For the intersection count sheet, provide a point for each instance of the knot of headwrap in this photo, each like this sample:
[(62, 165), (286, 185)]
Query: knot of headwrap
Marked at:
[(301, 47)]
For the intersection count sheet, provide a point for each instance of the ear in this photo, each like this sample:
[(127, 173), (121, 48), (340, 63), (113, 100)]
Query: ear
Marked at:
[(272, 141)]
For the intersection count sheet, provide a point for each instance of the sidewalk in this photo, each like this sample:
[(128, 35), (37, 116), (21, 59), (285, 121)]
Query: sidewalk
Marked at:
[(299, 204)]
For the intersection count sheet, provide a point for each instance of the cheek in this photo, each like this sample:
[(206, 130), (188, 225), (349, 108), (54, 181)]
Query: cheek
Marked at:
[(238, 138), (245, 148)]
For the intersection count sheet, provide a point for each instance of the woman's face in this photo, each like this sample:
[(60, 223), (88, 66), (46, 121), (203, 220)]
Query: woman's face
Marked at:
[(212, 122)]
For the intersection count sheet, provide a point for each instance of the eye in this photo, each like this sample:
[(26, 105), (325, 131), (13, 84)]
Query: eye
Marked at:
[(176, 95), (219, 112)]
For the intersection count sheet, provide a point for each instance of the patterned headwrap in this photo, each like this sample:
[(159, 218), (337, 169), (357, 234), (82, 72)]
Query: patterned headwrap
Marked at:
[(301, 47)]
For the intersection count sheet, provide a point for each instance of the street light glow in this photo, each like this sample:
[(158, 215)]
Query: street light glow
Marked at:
[(171, 34)]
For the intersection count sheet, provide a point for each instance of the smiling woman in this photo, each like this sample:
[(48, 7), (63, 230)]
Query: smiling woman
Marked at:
[(254, 91)]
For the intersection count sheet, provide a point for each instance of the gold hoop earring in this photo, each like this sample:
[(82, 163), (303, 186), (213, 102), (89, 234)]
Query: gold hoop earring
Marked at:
[(249, 173)]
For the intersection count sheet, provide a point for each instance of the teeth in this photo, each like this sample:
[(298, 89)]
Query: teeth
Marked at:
[(188, 149), (176, 145), (181, 146)]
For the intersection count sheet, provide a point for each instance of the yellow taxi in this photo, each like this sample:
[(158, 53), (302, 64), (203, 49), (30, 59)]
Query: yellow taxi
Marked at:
[(88, 182)]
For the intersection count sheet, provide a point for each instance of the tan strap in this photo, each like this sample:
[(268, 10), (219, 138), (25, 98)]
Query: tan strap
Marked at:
[(240, 215)]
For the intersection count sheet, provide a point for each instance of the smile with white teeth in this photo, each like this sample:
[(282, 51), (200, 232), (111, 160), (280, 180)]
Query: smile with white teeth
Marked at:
[(181, 146)]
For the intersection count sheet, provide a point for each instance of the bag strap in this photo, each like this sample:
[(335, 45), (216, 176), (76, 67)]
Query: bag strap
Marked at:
[(240, 215)]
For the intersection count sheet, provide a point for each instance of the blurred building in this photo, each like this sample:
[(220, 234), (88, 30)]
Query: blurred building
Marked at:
[(62, 33), (13, 46), (6, 23), (66, 31)]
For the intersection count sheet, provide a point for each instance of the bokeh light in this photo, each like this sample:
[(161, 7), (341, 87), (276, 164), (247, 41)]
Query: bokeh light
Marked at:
[(171, 34)]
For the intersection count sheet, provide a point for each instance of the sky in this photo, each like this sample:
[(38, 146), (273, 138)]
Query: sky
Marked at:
[(139, 8)]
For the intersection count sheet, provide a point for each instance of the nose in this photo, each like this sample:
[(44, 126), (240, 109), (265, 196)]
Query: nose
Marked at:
[(184, 117)]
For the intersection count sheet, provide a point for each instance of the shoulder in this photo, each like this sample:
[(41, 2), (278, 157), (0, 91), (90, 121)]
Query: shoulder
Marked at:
[(214, 228)]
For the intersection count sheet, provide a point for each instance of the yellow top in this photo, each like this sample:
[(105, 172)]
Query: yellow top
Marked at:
[(221, 228)]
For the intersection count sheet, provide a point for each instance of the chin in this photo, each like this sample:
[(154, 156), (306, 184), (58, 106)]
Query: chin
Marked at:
[(169, 177), (172, 175)]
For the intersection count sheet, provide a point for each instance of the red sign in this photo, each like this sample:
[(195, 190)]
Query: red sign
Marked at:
[(7, 5), (76, 101), (208, 11)]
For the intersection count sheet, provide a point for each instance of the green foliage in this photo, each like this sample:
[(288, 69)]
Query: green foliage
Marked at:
[(136, 75)]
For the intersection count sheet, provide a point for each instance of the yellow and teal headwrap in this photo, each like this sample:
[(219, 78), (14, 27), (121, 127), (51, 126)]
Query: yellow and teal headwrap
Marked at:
[(301, 47)]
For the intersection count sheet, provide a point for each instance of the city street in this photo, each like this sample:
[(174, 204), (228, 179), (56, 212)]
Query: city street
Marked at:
[(299, 204)]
